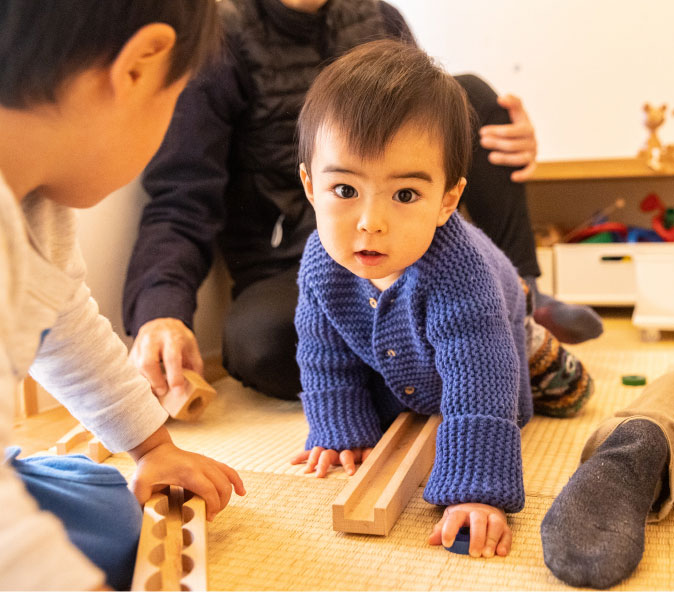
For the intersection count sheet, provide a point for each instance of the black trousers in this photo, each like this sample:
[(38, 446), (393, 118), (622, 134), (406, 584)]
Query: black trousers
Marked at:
[(259, 338)]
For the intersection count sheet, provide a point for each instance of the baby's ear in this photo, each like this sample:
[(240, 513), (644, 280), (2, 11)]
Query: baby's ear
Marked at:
[(306, 183), (450, 201)]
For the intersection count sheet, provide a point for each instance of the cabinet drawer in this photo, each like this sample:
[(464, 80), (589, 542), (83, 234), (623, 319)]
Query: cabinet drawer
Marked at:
[(602, 275)]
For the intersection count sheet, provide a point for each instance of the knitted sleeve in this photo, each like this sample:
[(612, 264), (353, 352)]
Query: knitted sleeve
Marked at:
[(478, 452), (337, 403)]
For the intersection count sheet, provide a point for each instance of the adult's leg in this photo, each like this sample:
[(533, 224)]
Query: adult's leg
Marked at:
[(593, 534), (259, 337), (498, 206), (100, 514)]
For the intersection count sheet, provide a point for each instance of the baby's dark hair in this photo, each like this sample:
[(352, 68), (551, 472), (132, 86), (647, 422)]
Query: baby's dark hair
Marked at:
[(44, 42), (373, 90)]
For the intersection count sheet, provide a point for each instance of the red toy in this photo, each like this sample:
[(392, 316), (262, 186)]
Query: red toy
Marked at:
[(652, 202)]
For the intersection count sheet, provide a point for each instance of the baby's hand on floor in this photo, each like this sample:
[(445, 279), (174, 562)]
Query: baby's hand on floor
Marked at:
[(321, 459), (489, 530)]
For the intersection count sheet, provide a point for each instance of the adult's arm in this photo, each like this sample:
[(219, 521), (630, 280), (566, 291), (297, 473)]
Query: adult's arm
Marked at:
[(186, 181)]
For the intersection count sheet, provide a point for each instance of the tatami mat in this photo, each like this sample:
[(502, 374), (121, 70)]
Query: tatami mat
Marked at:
[(279, 536)]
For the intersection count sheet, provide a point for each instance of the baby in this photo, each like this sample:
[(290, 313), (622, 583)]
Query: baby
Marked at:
[(403, 304)]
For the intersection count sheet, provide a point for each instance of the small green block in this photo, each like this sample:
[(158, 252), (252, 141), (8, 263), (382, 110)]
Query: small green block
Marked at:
[(634, 380)]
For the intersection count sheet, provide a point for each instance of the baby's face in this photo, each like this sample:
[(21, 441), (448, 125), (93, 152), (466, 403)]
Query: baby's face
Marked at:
[(376, 217)]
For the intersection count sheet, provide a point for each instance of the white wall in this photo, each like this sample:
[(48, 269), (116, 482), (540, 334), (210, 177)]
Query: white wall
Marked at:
[(584, 69)]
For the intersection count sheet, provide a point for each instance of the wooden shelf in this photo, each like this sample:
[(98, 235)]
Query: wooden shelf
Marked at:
[(614, 168)]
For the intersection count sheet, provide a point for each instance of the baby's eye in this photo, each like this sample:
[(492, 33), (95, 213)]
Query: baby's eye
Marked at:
[(406, 196), (345, 191)]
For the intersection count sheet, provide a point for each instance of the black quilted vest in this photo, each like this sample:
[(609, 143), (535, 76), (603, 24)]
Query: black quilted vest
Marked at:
[(278, 52)]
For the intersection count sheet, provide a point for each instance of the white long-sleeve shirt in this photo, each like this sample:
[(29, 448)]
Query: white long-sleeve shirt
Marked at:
[(50, 325)]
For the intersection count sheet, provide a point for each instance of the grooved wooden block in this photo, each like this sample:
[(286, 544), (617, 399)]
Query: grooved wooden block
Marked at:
[(172, 548), (191, 405), (385, 482)]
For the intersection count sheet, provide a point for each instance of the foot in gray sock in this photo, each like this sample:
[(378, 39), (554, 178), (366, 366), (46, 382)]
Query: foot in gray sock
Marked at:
[(570, 323), (593, 534)]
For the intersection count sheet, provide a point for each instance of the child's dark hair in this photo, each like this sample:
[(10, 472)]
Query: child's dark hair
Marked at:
[(373, 90), (43, 42)]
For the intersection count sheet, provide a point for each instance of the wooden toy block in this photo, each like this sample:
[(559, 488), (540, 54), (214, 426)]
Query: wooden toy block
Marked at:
[(385, 482), (191, 405), (172, 548), (95, 450)]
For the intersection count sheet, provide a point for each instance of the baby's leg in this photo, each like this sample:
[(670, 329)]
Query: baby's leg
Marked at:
[(100, 514), (560, 384)]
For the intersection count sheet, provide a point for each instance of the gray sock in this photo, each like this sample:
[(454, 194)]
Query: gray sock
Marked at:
[(593, 534), (570, 323)]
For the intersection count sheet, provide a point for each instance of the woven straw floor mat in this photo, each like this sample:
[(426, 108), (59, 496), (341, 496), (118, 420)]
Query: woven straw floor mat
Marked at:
[(279, 536)]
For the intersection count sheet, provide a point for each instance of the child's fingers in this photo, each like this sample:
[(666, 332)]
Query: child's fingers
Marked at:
[(496, 525), (300, 458), (503, 548), (478, 532), (312, 460), (222, 485), (348, 460), (445, 530), (366, 453), (233, 478), (326, 460)]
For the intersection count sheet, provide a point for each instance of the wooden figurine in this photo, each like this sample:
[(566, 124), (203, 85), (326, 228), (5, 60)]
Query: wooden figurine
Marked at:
[(172, 548), (191, 405), (652, 150), (95, 450), (377, 494)]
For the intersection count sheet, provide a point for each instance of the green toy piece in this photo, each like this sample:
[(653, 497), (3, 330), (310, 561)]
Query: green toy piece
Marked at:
[(634, 380)]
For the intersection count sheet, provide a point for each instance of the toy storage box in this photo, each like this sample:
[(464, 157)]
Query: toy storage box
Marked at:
[(607, 274), (654, 274)]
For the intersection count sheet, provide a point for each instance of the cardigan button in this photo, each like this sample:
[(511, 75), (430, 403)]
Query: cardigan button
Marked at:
[(409, 390), (373, 302), (390, 353)]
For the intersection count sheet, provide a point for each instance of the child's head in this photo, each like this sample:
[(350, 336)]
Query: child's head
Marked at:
[(385, 144), (45, 42), (97, 83)]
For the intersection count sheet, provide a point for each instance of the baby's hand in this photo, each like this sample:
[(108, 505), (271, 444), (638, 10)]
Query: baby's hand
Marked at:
[(161, 463), (489, 530), (322, 459)]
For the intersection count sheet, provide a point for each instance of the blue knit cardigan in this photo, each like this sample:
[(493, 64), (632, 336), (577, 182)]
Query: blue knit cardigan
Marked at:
[(447, 337)]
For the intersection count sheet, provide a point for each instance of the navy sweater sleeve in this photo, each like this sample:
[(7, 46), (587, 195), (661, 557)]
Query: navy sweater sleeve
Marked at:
[(478, 451), (186, 181), (336, 399)]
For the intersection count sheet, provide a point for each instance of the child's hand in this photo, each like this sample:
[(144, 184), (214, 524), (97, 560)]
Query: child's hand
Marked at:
[(489, 530), (322, 459), (161, 463)]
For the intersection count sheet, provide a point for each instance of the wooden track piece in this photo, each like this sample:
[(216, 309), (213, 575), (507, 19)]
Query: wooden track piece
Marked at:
[(191, 405), (385, 482), (71, 439), (172, 548), (95, 449)]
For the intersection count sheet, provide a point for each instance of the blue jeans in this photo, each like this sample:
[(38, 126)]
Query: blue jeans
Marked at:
[(100, 514)]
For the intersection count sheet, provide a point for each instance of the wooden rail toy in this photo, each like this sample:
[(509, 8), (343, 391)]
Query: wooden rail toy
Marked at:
[(95, 450), (189, 406), (172, 548), (385, 482)]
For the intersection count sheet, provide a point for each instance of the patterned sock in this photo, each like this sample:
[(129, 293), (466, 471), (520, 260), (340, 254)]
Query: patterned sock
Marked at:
[(570, 323), (560, 384), (593, 534)]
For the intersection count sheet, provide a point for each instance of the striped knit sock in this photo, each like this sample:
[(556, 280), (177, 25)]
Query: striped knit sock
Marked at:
[(560, 384)]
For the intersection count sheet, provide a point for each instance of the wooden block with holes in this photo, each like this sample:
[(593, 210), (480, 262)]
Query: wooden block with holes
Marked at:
[(377, 494), (95, 450), (191, 405), (172, 548)]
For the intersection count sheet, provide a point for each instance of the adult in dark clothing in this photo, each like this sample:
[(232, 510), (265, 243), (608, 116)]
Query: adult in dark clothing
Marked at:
[(226, 176)]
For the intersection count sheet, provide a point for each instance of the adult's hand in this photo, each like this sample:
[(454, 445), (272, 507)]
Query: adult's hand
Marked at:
[(512, 144), (170, 342)]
